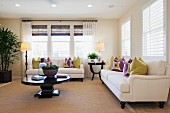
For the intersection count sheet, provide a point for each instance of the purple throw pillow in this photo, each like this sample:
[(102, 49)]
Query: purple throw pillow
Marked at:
[(68, 62), (123, 59), (116, 59), (121, 65), (125, 68), (130, 60), (118, 70), (127, 74)]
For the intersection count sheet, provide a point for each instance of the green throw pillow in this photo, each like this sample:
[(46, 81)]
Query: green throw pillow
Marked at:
[(140, 59), (111, 62), (35, 63), (76, 62), (138, 67)]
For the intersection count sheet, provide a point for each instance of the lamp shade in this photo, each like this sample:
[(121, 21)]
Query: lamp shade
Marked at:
[(25, 46), (100, 46)]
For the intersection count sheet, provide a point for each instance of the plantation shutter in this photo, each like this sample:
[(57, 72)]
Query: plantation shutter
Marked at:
[(154, 35), (126, 38)]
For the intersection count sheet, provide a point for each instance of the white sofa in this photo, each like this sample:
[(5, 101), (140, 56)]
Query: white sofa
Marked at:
[(153, 87), (73, 72)]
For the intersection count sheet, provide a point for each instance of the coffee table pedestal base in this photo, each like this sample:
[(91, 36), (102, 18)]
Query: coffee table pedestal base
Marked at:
[(47, 94)]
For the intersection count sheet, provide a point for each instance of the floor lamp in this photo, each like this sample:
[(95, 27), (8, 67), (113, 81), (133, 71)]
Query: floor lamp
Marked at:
[(99, 48), (25, 46)]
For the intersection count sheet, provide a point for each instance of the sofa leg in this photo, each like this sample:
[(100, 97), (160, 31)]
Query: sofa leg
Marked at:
[(161, 104), (81, 79), (122, 104)]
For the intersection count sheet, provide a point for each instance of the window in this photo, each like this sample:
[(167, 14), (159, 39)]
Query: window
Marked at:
[(82, 44), (39, 40), (126, 38), (60, 38), (154, 36)]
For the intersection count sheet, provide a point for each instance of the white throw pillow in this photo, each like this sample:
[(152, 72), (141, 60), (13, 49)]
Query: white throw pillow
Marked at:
[(60, 62), (156, 67)]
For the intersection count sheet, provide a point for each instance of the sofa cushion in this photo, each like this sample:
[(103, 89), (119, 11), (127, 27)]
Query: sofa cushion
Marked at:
[(35, 72), (70, 70), (119, 81), (156, 67), (60, 70), (138, 67), (105, 73)]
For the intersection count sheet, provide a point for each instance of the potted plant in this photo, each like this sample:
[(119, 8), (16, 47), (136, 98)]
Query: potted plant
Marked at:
[(50, 70), (92, 56), (9, 49)]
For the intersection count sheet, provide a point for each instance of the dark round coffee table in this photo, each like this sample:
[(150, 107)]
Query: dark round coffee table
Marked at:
[(46, 84)]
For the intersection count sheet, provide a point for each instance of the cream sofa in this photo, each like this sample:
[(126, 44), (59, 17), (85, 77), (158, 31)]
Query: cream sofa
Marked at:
[(153, 87), (73, 72)]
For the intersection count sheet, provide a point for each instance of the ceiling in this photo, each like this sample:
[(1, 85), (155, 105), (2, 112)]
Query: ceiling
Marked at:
[(102, 9)]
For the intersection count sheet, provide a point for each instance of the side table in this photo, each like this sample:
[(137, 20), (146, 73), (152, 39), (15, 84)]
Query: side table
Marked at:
[(91, 68)]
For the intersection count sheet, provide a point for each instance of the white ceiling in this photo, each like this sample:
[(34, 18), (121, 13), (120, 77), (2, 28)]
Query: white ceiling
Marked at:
[(65, 9)]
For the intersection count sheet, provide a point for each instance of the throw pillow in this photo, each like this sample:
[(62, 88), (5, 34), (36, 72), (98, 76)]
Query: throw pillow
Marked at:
[(42, 64), (138, 67), (111, 62), (126, 69), (118, 65), (130, 60), (48, 61), (156, 67), (76, 62), (140, 59), (68, 63), (35, 63)]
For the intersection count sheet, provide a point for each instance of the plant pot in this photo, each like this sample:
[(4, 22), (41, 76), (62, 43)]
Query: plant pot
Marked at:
[(50, 73), (5, 76)]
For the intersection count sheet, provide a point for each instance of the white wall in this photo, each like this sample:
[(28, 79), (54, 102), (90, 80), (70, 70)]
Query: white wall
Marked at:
[(14, 26), (136, 32), (108, 33)]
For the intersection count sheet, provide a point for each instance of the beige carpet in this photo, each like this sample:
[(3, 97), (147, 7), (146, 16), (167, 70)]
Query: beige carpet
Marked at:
[(76, 97)]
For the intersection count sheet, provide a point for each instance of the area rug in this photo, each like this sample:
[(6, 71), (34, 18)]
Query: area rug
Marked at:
[(75, 97)]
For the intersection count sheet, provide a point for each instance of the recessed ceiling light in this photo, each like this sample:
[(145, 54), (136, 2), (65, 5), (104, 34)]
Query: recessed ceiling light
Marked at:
[(111, 6), (90, 5), (17, 5), (53, 5)]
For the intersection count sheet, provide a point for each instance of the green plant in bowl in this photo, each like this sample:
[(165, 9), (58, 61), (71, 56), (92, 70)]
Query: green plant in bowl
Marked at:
[(92, 56), (50, 70)]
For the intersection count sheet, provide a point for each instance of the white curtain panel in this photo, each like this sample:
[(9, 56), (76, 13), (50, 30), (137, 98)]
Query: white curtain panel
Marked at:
[(26, 36), (89, 29)]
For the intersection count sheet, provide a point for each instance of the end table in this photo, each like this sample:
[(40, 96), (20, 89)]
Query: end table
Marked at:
[(91, 68)]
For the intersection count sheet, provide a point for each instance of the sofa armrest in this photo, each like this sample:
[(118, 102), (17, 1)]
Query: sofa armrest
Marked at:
[(149, 88), (81, 66)]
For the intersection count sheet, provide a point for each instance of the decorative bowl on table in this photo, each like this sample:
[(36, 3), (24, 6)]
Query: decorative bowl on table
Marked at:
[(50, 70)]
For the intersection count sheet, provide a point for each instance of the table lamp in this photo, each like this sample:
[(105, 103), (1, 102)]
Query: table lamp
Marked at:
[(25, 46), (99, 48)]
